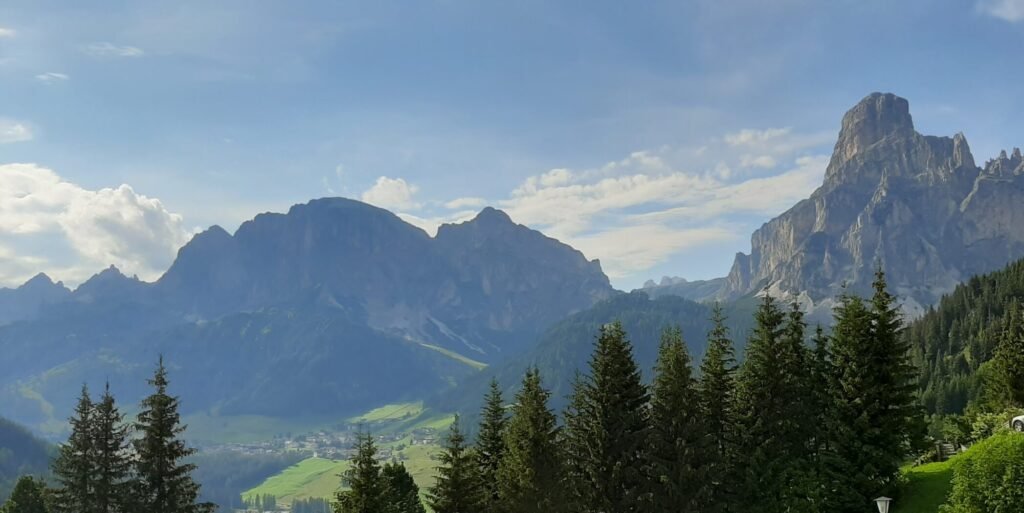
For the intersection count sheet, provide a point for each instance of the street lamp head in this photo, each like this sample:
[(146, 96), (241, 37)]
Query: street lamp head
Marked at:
[(883, 504)]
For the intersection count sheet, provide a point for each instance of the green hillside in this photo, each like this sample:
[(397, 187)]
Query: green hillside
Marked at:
[(21, 453), (320, 477)]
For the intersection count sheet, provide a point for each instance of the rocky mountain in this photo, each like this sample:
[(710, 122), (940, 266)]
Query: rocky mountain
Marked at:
[(695, 290), (917, 205), (345, 302), (27, 300)]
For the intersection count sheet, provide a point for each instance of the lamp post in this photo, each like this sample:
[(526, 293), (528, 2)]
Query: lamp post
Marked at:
[(883, 504)]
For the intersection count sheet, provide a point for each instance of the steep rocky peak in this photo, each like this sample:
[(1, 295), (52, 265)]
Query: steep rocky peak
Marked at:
[(876, 117), (40, 282), (1006, 165)]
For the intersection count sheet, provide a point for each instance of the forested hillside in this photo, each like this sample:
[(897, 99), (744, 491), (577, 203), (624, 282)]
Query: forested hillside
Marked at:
[(954, 342), (566, 346), (21, 453)]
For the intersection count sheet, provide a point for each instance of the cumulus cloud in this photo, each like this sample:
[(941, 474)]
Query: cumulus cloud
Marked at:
[(105, 49), (1009, 10), (39, 211), (12, 131), (637, 212), (392, 194), (51, 77)]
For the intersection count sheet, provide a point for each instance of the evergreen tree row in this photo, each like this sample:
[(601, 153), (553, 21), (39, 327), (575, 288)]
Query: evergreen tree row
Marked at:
[(109, 465), (796, 428)]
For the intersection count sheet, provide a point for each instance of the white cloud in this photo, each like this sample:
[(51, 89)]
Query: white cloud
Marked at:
[(636, 213), (762, 161), (392, 194), (7, 33), (14, 131), (461, 203), (1009, 10), (51, 77), (628, 250), (105, 49), (39, 211)]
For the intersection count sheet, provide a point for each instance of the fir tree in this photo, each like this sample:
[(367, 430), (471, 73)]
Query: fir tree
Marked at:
[(75, 465), (899, 410), (112, 487), (490, 446), (716, 392), (29, 496), (530, 476), (1009, 358), (165, 482), (606, 430), (875, 420), (400, 491), (457, 489), (365, 492), (769, 441), (679, 442)]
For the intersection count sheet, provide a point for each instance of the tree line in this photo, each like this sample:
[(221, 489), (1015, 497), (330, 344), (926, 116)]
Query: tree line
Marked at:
[(798, 427), (110, 465)]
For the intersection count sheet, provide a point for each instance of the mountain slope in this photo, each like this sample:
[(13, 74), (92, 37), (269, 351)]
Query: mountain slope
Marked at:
[(331, 308), (953, 341), (20, 454), (566, 346), (917, 205)]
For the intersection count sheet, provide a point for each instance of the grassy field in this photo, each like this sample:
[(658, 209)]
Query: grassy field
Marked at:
[(927, 488), (319, 477)]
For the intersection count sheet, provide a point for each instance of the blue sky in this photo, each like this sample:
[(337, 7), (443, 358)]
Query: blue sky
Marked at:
[(652, 135)]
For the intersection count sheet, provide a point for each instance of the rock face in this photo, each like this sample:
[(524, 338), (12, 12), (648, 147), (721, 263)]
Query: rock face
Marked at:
[(27, 300), (332, 308), (483, 287), (916, 205)]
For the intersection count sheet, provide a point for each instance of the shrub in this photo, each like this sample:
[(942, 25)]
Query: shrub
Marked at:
[(989, 477)]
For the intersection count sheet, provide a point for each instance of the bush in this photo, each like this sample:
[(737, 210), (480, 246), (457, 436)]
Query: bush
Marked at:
[(989, 477)]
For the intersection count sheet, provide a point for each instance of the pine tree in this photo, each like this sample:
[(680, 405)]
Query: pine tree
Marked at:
[(1009, 358), (679, 442), (75, 465), (490, 446), (769, 441), (607, 429), (400, 491), (457, 489), (112, 487), (365, 492), (530, 476), (716, 392), (854, 434), (899, 410), (29, 496), (165, 482)]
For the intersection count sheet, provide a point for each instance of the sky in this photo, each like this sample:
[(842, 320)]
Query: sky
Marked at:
[(652, 135)]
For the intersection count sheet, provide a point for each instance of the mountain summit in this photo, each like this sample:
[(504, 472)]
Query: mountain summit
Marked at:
[(916, 205), (349, 304)]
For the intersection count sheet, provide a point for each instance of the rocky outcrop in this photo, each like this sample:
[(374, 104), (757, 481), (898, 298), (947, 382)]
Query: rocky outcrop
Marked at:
[(916, 205), (26, 301)]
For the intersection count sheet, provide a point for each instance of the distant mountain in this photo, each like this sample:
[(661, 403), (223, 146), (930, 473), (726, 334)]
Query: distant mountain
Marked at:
[(697, 290), (917, 205), (27, 300), (21, 453), (566, 346), (329, 308)]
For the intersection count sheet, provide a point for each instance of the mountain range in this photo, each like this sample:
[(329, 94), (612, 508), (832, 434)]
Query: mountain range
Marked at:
[(329, 308), (337, 306)]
